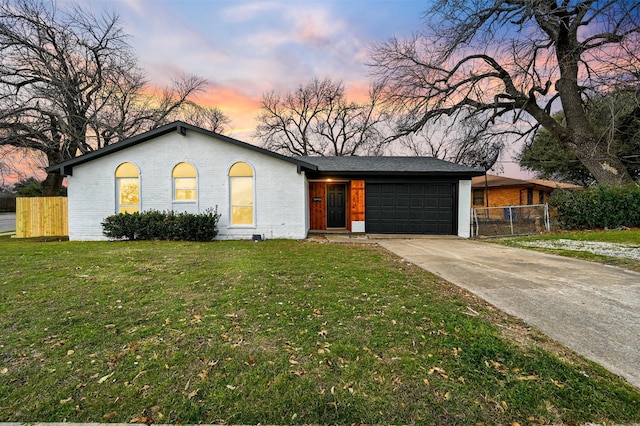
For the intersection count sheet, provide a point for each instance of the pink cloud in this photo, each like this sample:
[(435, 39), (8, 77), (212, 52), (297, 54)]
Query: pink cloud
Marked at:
[(135, 5), (247, 11), (316, 26), (16, 165), (238, 105), (310, 26), (357, 91)]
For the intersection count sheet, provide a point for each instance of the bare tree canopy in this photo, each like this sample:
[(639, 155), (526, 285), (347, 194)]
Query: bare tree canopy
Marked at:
[(70, 83), (464, 141), (210, 118), (513, 63), (318, 119)]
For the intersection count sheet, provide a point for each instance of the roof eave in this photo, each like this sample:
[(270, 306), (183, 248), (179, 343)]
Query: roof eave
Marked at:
[(352, 173), (65, 168)]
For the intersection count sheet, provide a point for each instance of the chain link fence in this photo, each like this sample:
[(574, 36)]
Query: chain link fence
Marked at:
[(510, 220)]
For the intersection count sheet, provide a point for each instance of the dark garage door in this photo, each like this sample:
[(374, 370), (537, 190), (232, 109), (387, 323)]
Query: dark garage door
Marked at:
[(410, 208)]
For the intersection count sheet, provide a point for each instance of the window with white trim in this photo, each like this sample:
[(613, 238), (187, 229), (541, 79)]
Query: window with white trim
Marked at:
[(185, 185), (127, 188), (241, 194)]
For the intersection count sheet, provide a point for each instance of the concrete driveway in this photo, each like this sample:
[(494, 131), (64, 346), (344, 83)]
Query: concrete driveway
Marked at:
[(591, 308), (7, 222)]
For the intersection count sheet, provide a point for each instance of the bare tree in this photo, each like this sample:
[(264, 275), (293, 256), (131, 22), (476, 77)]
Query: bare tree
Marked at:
[(3, 172), (70, 83), (210, 118), (127, 106), (513, 63), (317, 119), (464, 141)]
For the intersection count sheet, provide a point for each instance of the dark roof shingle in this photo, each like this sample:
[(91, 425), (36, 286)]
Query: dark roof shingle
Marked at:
[(389, 165)]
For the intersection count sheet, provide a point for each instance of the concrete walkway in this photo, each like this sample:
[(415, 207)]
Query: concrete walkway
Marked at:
[(591, 308)]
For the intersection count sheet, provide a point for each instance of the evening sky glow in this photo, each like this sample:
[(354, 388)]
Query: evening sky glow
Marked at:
[(247, 48)]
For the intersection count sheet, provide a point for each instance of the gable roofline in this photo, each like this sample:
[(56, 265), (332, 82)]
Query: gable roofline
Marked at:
[(65, 168), (498, 181)]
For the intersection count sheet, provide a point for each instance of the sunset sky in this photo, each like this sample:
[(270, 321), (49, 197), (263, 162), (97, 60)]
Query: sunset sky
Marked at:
[(245, 48)]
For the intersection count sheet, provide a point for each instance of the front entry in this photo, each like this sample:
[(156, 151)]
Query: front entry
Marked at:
[(336, 206)]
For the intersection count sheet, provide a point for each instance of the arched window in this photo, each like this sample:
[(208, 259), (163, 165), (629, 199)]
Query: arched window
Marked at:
[(241, 194), (127, 188), (184, 182)]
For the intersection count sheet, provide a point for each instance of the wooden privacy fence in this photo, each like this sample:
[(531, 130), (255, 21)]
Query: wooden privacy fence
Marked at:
[(41, 217)]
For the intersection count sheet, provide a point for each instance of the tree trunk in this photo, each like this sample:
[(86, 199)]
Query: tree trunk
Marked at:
[(604, 166), (601, 161), (52, 184), (580, 137)]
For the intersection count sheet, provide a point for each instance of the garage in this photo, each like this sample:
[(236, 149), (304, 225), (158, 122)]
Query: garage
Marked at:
[(411, 208), (390, 195)]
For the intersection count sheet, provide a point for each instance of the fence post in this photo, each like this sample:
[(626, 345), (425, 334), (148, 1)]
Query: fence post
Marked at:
[(474, 222), (547, 220), (511, 218)]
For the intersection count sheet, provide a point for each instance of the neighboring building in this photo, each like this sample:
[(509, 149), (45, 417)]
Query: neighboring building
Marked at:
[(496, 191), (258, 192), (7, 202)]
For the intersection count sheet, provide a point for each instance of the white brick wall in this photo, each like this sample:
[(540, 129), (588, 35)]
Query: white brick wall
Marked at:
[(280, 193), (464, 208)]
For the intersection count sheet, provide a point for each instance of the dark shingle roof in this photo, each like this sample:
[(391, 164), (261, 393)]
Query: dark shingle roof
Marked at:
[(389, 165)]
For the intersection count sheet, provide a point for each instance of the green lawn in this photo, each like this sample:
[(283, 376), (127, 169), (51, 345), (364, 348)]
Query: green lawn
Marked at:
[(627, 237), (278, 332)]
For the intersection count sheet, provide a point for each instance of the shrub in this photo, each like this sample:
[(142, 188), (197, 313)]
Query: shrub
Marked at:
[(156, 225), (598, 207)]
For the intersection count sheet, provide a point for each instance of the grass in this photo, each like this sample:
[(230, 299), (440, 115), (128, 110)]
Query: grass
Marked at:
[(628, 237), (280, 332)]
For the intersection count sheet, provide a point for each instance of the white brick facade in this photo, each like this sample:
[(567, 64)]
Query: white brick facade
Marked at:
[(281, 205), (464, 208), (280, 191)]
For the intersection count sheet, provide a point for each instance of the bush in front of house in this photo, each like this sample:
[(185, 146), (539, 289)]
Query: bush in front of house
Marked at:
[(156, 225), (598, 207)]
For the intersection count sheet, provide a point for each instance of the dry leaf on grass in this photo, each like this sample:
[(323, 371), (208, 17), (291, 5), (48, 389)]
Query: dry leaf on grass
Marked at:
[(203, 374), (528, 378), (110, 415), (147, 420), (105, 378)]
